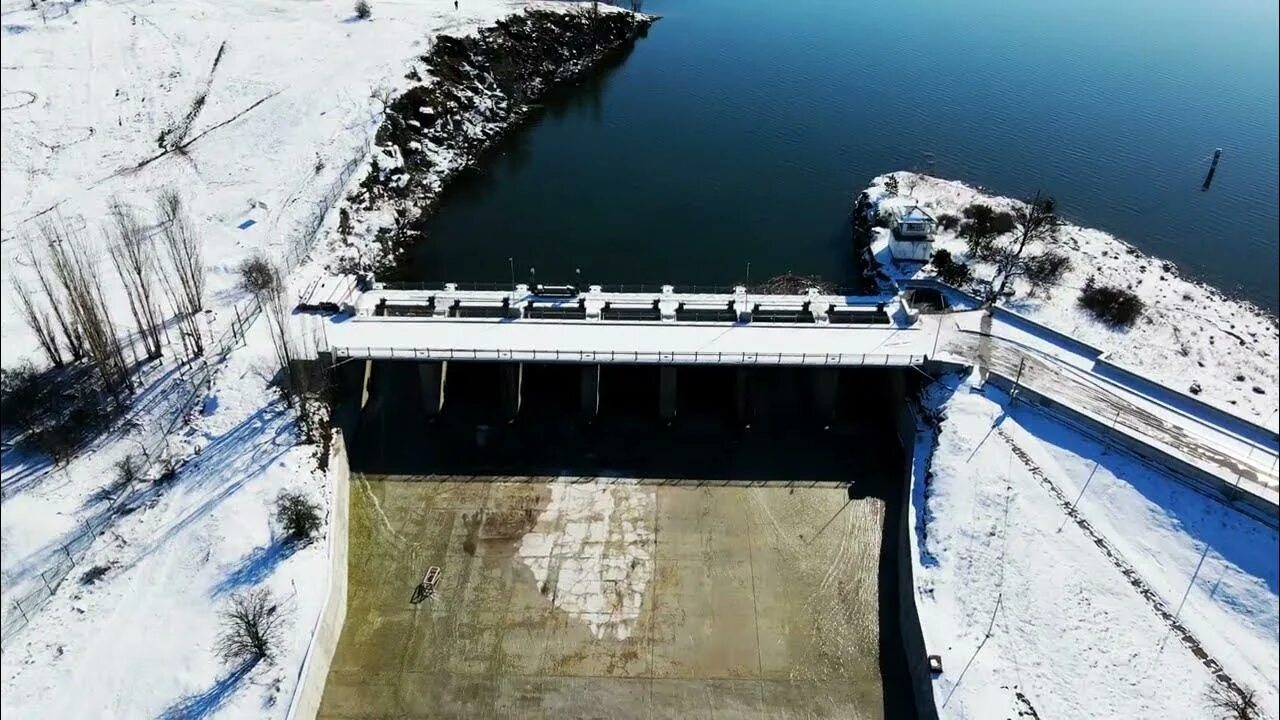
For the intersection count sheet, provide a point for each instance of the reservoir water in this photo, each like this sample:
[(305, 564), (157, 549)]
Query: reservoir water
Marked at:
[(738, 132)]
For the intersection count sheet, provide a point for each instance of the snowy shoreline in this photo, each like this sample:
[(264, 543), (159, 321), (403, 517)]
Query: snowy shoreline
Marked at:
[(1190, 334)]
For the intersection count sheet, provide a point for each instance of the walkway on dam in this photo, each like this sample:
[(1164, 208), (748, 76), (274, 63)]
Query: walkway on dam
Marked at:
[(665, 327)]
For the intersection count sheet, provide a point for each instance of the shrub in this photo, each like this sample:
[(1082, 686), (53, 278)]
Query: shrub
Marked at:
[(982, 221), (1115, 306), (1045, 270), (251, 627), (128, 470), (363, 9), (891, 186), (57, 408), (20, 396), (299, 517), (950, 270), (258, 276), (947, 221)]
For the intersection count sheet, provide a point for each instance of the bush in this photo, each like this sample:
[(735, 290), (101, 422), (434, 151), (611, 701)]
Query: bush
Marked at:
[(891, 186), (251, 627), (299, 517), (364, 10), (982, 221), (58, 409), (258, 276), (128, 470), (950, 270), (1045, 270), (947, 221), (20, 396), (1114, 306)]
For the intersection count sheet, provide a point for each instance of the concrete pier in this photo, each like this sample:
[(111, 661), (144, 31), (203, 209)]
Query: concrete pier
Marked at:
[(826, 388), (512, 381), (590, 397), (431, 378), (742, 396), (667, 392)]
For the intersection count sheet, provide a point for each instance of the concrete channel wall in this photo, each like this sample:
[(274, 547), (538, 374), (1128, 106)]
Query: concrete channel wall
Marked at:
[(324, 640), (1189, 474), (1105, 367), (913, 644)]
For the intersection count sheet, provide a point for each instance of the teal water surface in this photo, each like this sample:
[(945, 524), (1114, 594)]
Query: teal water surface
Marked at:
[(738, 132)]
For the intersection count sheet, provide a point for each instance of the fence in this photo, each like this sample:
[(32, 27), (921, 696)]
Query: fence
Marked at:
[(193, 382)]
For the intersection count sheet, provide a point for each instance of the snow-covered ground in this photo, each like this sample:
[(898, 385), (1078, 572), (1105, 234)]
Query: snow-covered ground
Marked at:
[(138, 641), (87, 94), (1189, 334), (288, 116), (1029, 606)]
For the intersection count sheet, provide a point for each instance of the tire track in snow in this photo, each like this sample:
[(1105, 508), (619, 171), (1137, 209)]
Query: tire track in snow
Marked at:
[(1132, 576)]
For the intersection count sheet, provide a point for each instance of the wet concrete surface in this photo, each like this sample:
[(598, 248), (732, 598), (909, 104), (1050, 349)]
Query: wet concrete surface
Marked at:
[(613, 599)]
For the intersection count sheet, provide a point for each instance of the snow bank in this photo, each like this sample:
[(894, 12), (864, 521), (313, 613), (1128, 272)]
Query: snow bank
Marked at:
[(1030, 611), (1190, 334), (138, 642)]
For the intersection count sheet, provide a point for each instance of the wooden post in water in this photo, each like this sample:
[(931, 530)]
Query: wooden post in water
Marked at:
[(1213, 167)]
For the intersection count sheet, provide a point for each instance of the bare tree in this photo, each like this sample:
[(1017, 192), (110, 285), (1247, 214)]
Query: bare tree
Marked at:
[(133, 254), (1232, 704), (41, 324), (184, 272), (263, 278), (252, 627), (70, 333), (77, 272), (306, 386), (1036, 225)]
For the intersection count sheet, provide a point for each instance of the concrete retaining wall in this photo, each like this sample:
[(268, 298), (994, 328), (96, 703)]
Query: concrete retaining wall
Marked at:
[(913, 644), (324, 640), (1179, 400), (1187, 473), (1107, 368)]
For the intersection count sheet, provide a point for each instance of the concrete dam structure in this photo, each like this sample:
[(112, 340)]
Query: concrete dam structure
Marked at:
[(715, 522)]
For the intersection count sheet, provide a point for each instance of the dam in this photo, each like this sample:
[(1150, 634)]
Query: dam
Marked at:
[(712, 528)]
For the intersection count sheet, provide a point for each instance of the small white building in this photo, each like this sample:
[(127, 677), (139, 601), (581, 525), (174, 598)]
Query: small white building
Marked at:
[(912, 235)]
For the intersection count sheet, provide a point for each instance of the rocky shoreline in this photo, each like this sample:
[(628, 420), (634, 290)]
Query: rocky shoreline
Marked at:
[(468, 94)]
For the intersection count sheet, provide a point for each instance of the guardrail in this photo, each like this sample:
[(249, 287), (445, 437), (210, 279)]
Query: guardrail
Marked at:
[(634, 357), (582, 286)]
